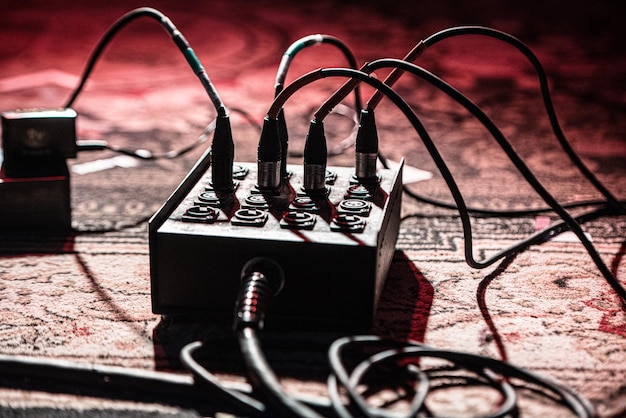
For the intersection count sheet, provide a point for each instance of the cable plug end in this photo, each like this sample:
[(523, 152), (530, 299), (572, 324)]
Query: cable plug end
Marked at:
[(222, 155), (315, 157), (261, 279), (366, 147), (269, 156)]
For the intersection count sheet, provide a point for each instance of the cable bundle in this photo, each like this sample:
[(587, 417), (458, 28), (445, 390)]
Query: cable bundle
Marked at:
[(373, 363), (463, 369)]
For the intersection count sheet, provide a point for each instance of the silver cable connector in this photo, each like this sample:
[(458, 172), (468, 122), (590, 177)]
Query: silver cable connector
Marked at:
[(269, 174), (314, 176), (365, 165)]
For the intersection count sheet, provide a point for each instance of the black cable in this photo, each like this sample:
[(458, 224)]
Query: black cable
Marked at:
[(222, 141), (545, 92), (262, 278), (340, 378), (543, 235), (223, 146), (484, 377), (247, 116), (178, 39), (248, 404), (263, 378), (515, 159), (204, 392), (377, 96), (396, 73), (508, 407), (200, 391), (308, 41), (418, 49), (574, 402), (505, 213), (111, 382), (485, 367), (143, 154), (422, 386)]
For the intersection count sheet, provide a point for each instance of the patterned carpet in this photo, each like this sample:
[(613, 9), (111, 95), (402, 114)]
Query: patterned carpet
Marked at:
[(85, 297)]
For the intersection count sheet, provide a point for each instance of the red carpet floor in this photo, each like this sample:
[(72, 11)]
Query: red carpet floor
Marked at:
[(86, 298)]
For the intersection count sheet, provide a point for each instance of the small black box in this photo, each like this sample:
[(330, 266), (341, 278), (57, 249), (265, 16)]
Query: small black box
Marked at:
[(39, 133)]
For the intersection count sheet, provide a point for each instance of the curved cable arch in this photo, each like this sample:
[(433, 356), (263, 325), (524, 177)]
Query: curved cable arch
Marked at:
[(515, 159), (545, 92), (177, 37)]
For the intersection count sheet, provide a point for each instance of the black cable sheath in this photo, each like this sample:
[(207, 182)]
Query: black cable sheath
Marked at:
[(202, 391), (177, 37), (571, 400), (515, 159), (111, 382), (248, 404), (142, 154), (395, 74), (545, 91), (420, 47), (308, 41), (422, 386), (181, 390), (377, 96), (505, 213), (398, 350), (281, 75), (261, 279), (488, 378), (262, 377), (192, 60), (545, 234)]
